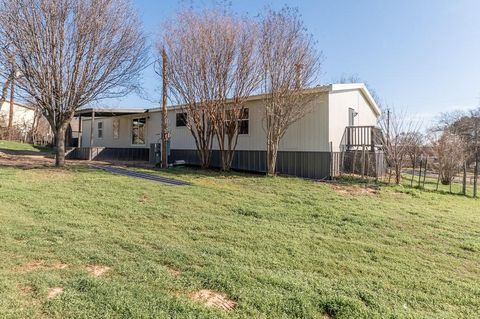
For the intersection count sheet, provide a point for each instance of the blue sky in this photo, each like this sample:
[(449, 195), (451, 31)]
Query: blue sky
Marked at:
[(423, 55)]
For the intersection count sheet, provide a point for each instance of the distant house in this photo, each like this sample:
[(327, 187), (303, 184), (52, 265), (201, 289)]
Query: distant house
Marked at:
[(342, 117), (23, 118), (23, 114), (28, 125)]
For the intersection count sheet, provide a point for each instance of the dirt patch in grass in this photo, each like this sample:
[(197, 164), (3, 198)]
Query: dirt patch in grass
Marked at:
[(40, 264), (48, 174), (347, 189), (174, 272), (33, 161), (25, 289), (54, 291), (26, 293), (213, 299), (32, 265), (59, 266), (97, 270), (144, 198), (25, 161)]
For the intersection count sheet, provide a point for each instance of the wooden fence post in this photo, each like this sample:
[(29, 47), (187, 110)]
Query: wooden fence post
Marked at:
[(425, 171), (413, 173), (420, 174), (363, 161)]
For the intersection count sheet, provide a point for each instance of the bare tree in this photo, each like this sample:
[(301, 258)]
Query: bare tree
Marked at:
[(9, 83), (466, 125), (212, 71), (415, 147), (5, 87), (290, 63), (236, 70), (400, 133), (451, 153), (71, 53), (186, 70)]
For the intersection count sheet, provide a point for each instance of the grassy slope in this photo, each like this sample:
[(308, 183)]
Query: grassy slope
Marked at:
[(282, 248), (16, 146)]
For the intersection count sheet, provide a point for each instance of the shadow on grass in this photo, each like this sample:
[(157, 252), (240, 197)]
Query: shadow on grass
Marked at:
[(45, 152), (196, 171), (357, 180)]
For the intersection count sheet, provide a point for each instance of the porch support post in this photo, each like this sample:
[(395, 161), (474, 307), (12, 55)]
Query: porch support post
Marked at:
[(80, 133), (92, 122)]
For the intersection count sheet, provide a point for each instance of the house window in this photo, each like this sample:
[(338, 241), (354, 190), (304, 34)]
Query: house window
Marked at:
[(351, 116), (99, 129), (138, 131), (242, 122), (116, 129), (181, 119)]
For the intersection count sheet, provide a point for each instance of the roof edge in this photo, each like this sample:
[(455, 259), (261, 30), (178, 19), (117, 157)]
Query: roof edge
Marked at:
[(363, 88)]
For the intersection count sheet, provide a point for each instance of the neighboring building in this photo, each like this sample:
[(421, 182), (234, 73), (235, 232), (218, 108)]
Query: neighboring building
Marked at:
[(23, 114), (23, 118), (305, 150)]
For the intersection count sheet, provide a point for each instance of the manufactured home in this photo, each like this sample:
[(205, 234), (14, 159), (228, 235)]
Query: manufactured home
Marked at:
[(341, 117)]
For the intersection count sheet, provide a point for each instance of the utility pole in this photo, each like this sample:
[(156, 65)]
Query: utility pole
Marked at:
[(165, 135), (12, 94), (475, 172), (388, 125)]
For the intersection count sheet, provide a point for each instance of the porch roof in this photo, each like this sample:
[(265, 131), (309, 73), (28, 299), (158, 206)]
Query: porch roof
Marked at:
[(108, 112)]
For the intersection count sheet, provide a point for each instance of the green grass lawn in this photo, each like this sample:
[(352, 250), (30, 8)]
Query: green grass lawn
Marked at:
[(279, 247), (17, 146)]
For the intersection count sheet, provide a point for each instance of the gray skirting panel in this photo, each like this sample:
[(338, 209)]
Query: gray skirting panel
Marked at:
[(314, 165)]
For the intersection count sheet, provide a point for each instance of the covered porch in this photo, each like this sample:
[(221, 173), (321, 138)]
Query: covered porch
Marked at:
[(88, 146)]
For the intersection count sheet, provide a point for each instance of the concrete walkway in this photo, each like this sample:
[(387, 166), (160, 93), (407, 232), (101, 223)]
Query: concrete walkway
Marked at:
[(150, 177)]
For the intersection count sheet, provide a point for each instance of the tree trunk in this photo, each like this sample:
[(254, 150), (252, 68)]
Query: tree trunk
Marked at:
[(204, 158), (60, 147), (222, 152), (398, 172), (228, 152), (224, 160), (272, 152)]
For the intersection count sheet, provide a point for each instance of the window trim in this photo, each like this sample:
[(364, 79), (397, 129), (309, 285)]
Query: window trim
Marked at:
[(246, 109), (245, 120), (351, 116), (100, 130), (131, 131), (116, 120), (176, 120)]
